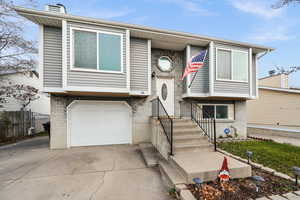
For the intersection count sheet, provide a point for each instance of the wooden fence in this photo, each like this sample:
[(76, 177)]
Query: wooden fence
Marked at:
[(15, 124)]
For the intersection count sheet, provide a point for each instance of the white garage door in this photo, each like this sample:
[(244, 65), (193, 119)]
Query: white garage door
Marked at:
[(99, 123)]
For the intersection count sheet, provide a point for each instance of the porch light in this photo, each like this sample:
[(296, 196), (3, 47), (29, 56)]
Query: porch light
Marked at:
[(258, 181), (296, 171), (249, 155)]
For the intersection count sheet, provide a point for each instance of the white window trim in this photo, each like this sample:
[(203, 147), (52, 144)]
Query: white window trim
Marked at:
[(231, 80), (72, 57), (215, 110)]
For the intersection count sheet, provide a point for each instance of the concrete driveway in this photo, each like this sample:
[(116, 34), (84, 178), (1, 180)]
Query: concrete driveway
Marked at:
[(29, 170)]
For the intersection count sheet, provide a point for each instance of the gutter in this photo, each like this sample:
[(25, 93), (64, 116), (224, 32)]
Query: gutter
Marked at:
[(265, 53)]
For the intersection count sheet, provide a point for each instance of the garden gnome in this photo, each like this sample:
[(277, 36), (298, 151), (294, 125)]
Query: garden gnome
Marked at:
[(224, 172)]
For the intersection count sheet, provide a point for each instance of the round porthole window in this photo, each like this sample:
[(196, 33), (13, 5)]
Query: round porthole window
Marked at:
[(164, 91), (165, 64)]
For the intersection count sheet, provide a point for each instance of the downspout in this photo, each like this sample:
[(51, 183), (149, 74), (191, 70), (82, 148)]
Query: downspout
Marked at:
[(262, 55)]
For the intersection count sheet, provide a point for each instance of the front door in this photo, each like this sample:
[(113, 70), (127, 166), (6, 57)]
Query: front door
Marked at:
[(165, 92)]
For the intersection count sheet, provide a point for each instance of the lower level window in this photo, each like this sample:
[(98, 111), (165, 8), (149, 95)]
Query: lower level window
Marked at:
[(217, 111)]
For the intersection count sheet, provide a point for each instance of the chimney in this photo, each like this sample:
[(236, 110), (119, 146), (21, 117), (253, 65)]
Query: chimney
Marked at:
[(59, 8)]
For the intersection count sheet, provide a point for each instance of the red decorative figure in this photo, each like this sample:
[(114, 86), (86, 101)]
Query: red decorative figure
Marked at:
[(224, 172)]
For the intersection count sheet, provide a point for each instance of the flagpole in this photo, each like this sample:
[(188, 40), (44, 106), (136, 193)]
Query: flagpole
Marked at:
[(193, 79)]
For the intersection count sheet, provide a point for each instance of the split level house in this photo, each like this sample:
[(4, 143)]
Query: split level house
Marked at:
[(108, 80)]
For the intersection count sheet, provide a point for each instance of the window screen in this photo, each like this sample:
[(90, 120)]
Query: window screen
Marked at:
[(224, 64), (85, 49), (109, 52)]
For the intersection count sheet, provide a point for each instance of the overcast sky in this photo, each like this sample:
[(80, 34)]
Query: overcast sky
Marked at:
[(248, 21)]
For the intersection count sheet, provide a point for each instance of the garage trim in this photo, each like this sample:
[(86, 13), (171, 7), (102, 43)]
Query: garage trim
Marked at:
[(93, 101)]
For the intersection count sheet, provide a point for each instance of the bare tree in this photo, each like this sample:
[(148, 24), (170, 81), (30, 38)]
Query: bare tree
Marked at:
[(282, 3), (25, 94), (16, 53)]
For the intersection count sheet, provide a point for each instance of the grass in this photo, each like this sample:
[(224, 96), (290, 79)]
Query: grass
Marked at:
[(280, 157)]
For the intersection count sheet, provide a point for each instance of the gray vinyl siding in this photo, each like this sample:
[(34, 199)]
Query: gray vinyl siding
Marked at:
[(230, 87), (201, 81), (52, 61), (96, 79), (184, 86), (138, 64), (254, 75)]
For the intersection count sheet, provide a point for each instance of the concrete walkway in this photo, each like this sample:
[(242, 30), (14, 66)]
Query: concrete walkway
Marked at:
[(29, 170)]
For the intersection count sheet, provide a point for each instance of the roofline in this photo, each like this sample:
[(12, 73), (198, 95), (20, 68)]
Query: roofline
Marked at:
[(269, 76), (280, 89), (22, 10)]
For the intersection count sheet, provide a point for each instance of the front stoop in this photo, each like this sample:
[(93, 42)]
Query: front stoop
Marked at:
[(206, 165)]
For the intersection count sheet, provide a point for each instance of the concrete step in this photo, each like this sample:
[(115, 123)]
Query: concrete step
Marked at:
[(170, 172), (185, 125), (179, 120), (206, 165), (190, 136), (191, 141), (193, 147), (187, 130), (149, 154)]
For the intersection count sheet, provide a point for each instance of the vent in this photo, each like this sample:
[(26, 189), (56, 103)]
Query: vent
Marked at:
[(59, 8)]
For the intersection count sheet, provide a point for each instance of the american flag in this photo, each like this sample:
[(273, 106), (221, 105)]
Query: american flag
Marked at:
[(195, 63)]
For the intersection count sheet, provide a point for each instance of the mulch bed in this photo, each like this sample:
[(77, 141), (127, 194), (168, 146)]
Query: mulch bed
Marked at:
[(243, 189)]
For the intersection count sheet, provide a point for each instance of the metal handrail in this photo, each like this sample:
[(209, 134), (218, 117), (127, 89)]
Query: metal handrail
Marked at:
[(159, 111), (207, 123)]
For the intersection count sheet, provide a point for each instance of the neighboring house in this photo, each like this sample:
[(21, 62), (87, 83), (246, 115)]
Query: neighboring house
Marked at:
[(278, 104), (31, 78), (102, 76)]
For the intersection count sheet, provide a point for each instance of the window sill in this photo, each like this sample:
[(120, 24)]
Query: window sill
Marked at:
[(96, 71), (235, 81)]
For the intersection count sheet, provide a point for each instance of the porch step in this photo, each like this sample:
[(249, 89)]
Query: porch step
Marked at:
[(191, 141), (187, 130), (206, 165), (181, 120), (193, 147), (185, 126), (149, 154), (171, 173), (184, 137)]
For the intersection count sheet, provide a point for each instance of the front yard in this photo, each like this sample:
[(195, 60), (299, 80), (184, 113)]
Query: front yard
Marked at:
[(280, 157)]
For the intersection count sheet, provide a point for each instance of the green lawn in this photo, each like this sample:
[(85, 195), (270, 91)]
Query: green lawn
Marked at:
[(280, 157)]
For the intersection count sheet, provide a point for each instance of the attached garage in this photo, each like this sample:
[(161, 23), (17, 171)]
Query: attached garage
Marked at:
[(99, 123)]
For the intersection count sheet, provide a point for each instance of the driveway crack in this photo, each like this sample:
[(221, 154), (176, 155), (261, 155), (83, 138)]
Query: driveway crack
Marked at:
[(99, 187)]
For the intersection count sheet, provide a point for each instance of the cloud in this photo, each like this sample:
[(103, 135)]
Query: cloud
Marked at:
[(108, 14), (256, 7), (191, 6), (279, 33)]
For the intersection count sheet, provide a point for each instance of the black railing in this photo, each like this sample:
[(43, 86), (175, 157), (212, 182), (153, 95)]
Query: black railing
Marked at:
[(206, 121), (159, 111)]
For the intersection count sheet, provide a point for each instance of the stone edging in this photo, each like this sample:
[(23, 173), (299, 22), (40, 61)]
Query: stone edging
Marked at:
[(269, 170)]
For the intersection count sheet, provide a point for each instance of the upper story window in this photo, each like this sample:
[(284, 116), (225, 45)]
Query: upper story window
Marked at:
[(232, 65), (97, 51)]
